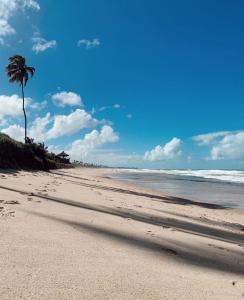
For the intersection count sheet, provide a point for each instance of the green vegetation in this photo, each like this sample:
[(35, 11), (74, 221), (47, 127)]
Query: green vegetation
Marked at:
[(28, 156)]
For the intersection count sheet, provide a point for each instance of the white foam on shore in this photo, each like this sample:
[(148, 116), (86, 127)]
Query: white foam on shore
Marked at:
[(222, 175)]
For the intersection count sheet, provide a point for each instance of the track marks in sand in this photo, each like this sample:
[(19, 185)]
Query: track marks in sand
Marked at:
[(5, 210)]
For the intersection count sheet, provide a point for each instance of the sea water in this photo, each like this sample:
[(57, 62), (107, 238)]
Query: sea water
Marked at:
[(224, 187)]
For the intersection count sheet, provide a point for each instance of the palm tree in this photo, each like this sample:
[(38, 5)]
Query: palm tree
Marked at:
[(18, 72)]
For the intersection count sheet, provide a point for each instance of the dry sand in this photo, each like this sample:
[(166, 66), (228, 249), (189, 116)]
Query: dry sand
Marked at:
[(76, 234)]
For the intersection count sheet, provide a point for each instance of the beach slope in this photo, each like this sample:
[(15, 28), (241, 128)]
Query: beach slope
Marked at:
[(77, 234)]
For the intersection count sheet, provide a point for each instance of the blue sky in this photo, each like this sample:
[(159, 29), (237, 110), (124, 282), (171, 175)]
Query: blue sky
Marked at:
[(155, 84)]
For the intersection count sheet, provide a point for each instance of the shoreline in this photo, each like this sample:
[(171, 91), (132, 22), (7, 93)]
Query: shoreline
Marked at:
[(218, 193), (77, 234), (154, 193)]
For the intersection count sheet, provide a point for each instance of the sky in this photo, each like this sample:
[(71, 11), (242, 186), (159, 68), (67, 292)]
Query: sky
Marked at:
[(150, 84)]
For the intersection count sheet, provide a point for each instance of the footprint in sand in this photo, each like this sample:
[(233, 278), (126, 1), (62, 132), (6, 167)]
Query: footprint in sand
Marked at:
[(7, 213), (29, 199), (11, 202)]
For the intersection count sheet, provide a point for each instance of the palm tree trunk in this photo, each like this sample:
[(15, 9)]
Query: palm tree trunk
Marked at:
[(23, 97)]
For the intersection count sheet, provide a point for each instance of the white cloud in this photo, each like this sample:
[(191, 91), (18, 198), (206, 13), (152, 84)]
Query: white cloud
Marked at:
[(5, 29), (168, 151), (8, 8), (67, 98), (39, 130), (81, 148), (205, 139), (15, 131), (230, 147), (38, 105), (224, 144), (48, 127), (31, 4), (88, 44), (40, 44), (11, 106), (70, 124), (103, 108)]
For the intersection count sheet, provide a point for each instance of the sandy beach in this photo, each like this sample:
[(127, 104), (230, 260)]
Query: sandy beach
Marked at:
[(77, 234)]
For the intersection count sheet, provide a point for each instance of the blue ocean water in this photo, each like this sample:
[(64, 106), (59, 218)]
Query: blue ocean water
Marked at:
[(211, 186)]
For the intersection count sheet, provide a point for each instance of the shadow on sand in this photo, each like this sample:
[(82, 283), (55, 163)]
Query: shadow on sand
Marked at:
[(181, 225), (209, 257)]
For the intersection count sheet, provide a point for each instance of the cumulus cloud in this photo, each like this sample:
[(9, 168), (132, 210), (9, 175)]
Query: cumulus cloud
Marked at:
[(40, 44), (168, 151), (5, 29), (70, 124), (224, 144), (8, 8), (48, 127), (205, 139), (37, 130), (11, 106), (15, 131), (81, 148), (67, 98), (89, 44), (231, 147)]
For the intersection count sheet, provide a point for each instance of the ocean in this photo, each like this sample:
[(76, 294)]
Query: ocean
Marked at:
[(221, 187)]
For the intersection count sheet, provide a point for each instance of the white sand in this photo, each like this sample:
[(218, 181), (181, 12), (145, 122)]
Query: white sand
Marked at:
[(85, 238)]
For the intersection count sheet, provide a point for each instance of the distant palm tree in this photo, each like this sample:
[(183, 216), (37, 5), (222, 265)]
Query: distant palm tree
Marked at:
[(18, 72)]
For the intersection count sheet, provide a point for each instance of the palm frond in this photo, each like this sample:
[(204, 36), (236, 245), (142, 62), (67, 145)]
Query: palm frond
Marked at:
[(17, 77), (17, 70), (26, 78), (20, 60), (31, 70)]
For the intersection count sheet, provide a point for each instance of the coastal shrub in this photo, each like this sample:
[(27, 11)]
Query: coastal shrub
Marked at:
[(32, 156)]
